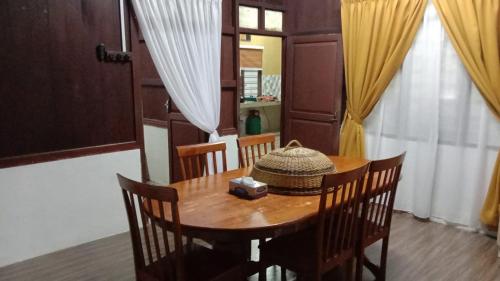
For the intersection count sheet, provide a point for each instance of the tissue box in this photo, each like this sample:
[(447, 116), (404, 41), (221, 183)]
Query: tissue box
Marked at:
[(247, 188)]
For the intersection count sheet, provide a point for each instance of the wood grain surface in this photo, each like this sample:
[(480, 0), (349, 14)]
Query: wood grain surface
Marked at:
[(206, 206)]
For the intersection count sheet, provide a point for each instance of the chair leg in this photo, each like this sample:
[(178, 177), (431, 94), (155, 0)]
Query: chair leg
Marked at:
[(383, 259), (283, 273), (348, 270), (263, 269), (263, 274), (360, 259), (189, 243)]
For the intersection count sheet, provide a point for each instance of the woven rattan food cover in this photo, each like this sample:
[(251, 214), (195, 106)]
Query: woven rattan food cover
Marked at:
[(293, 169)]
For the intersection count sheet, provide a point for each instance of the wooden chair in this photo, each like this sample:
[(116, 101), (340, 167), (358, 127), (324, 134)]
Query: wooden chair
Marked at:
[(257, 143), (194, 159), (332, 242), (376, 215), (156, 256), (247, 156)]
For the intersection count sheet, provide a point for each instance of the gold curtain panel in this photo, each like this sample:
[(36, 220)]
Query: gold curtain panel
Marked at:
[(376, 36), (473, 27)]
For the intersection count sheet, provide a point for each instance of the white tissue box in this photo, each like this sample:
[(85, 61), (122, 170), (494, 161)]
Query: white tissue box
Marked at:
[(248, 188)]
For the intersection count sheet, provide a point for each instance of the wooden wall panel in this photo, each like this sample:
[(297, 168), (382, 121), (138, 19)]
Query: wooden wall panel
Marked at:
[(228, 111), (316, 75), (55, 94), (313, 16), (227, 58), (155, 98)]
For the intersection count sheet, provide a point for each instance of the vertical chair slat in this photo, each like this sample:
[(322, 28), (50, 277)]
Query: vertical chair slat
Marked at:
[(134, 228), (205, 159), (246, 156), (214, 162), (198, 167), (346, 214), (156, 242), (190, 167), (339, 219), (331, 220), (183, 169), (145, 229), (253, 153), (166, 244), (224, 161)]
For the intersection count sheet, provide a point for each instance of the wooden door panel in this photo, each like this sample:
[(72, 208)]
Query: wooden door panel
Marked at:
[(314, 134), (313, 91), (314, 79)]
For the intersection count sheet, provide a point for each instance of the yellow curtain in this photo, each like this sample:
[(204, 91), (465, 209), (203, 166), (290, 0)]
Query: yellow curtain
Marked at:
[(377, 34), (474, 29)]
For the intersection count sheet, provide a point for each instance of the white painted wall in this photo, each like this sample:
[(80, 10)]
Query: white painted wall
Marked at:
[(54, 205), (156, 147), (231, 151)]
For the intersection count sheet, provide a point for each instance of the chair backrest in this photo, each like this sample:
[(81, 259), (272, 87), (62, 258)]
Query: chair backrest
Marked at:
[(154, 256), (194, 159), (379, 197), (339, 209), (252, 148)]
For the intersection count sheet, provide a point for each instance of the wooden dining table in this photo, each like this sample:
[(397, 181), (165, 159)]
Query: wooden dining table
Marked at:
[(207, 210)]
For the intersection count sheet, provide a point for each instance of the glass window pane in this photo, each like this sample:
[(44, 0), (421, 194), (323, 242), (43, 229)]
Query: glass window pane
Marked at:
[(249, 17), (274, 20)]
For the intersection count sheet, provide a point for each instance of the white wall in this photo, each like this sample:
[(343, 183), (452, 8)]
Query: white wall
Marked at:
[(156, 147), (54, 205)]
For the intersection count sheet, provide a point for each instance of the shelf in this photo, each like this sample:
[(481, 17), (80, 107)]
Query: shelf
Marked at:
[(277, 133), (256, 104)]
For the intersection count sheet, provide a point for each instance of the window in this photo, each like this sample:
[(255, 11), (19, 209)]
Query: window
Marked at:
[(273, 20), (251, 82), (249, 17)]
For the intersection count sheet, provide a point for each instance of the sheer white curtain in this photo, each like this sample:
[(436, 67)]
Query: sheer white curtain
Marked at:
[(433, 111), (184, 40)]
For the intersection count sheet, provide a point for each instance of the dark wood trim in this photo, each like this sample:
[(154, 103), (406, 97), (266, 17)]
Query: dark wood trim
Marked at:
[(228, 131), (283, 96), (65, 154), (261, 32), (236, 24), (133, 38), (156, 123), (267, 6), (152, 82), (228, 30), (318, 32), (228, 83)]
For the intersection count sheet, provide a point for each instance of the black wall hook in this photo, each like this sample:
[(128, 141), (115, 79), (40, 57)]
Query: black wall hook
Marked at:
[(103, 55)]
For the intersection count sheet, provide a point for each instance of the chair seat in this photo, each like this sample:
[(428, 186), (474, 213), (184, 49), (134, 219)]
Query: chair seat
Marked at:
[(295, 252), (205, 264)]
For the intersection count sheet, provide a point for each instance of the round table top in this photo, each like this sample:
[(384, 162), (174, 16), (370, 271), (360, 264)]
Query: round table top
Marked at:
[(205, 206)]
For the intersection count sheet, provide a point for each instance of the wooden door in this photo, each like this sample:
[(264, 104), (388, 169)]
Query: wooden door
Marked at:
[(313, 91)]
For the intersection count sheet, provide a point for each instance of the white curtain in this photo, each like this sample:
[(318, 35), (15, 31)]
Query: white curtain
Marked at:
[(184, 40), (433, 111)]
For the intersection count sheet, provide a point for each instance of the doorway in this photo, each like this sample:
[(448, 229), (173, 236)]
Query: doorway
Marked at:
[(261, 73)]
